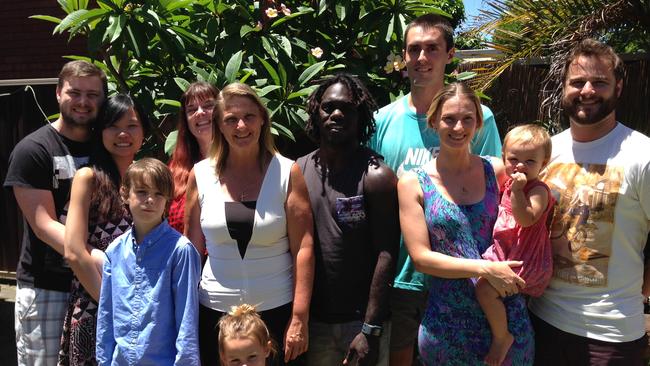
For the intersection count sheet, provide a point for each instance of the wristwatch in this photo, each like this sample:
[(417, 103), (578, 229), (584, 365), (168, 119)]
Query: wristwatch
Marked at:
[(372, 330)]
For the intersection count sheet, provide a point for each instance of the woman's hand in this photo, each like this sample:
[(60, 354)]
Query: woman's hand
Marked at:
[(501, 276), (296, 338)]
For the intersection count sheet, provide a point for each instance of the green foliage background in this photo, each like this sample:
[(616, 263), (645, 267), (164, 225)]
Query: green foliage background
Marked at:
[(154, 48)]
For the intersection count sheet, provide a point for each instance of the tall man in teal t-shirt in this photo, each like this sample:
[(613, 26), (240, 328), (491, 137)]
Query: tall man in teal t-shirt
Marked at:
[(404, 140)]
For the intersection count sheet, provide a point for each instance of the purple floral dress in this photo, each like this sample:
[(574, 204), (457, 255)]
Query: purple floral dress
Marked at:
[(454, 330)]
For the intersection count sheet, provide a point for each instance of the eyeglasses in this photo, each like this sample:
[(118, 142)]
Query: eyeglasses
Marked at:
[(206, 106)]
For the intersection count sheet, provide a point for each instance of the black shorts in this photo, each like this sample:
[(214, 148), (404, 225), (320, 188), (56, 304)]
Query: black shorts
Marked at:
[(558, 348)]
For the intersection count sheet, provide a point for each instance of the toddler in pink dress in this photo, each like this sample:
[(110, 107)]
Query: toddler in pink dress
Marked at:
[(520, 232)]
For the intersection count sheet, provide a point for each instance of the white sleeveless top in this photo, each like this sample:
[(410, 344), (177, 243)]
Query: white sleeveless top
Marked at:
[(264, 277)]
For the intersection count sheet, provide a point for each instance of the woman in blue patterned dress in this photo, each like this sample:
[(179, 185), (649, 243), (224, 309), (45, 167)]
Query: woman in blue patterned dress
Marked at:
[(447, 210)]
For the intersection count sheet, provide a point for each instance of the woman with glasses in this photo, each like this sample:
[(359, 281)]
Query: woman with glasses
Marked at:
[(192, 142)]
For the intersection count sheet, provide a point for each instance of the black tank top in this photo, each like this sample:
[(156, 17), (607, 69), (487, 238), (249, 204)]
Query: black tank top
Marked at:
[(240, 217)]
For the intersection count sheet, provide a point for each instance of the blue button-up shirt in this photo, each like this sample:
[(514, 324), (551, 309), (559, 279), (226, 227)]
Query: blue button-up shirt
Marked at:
[(148, 305)]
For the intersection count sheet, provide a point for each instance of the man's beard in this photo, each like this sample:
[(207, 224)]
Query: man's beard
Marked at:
[(67, 118), (605, 107)]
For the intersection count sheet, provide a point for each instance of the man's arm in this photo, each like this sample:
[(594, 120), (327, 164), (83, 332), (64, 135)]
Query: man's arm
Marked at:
[(37, 206), (487, 141), (185, 280), (380, 193)]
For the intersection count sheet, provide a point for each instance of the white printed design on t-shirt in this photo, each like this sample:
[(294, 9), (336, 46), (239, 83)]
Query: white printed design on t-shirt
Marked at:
[(583, 221), (416, 157)]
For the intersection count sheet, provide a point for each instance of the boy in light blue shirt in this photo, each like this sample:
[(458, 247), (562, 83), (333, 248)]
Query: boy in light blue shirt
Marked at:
[(148, 305)]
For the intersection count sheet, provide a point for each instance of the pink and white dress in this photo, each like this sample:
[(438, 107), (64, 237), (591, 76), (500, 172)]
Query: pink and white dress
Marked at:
[(530, 244)]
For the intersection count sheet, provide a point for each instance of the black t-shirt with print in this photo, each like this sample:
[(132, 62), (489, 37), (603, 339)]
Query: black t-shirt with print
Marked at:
[(345, 258), (45, 160)]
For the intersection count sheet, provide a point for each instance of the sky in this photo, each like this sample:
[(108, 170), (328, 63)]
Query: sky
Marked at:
[(471, 9)]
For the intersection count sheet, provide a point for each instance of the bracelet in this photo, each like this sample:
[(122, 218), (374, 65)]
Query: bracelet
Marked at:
[(371, 330)]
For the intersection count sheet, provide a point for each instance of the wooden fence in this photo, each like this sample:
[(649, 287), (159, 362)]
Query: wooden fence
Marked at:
[(516, 94)]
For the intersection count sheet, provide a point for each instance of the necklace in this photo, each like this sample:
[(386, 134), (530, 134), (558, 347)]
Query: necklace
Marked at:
[(241, 191)]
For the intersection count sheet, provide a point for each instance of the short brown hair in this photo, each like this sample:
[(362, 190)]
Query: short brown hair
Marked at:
[(81, 68), (429, 21), (243, 322), (219, 149), (530, 134), (591, 48), (149, 171), (448, 92)]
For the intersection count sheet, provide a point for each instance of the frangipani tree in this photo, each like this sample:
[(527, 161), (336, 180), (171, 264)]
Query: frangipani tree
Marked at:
[(154, 48)]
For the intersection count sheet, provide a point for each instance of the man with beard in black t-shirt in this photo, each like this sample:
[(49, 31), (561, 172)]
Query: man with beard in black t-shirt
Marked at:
[(41, 168)]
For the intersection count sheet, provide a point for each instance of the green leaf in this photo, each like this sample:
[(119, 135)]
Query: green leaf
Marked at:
[(340, 12), (46, 18), (170, 142), (269, 49), (302, 92), (483, 96), (248, 74), (272, 73), (153, 18), (70, 20), (233, 65), (291, 16), (466, 75), (322, 6), (283, 130), (188, 35), (173, 5), (283, 74), (96, 36), (201, 74), (114, 30), (245, 29), (286, 45), (310, 72), (108, 5), (69, 6), (182, 83), (213, 78), (267, 89), (53, 117), (171, 102), (389, 30), (135, 44)]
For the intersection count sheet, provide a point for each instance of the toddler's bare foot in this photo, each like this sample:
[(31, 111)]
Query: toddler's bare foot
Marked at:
[(499, 349)]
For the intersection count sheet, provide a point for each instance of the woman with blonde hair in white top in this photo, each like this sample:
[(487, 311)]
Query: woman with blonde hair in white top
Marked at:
[(249, 207)]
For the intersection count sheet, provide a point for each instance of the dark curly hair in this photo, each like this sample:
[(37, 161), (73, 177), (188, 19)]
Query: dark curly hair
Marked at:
[(361, 97)]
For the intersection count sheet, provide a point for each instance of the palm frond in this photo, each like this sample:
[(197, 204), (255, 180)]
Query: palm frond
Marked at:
[(525, 29)]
